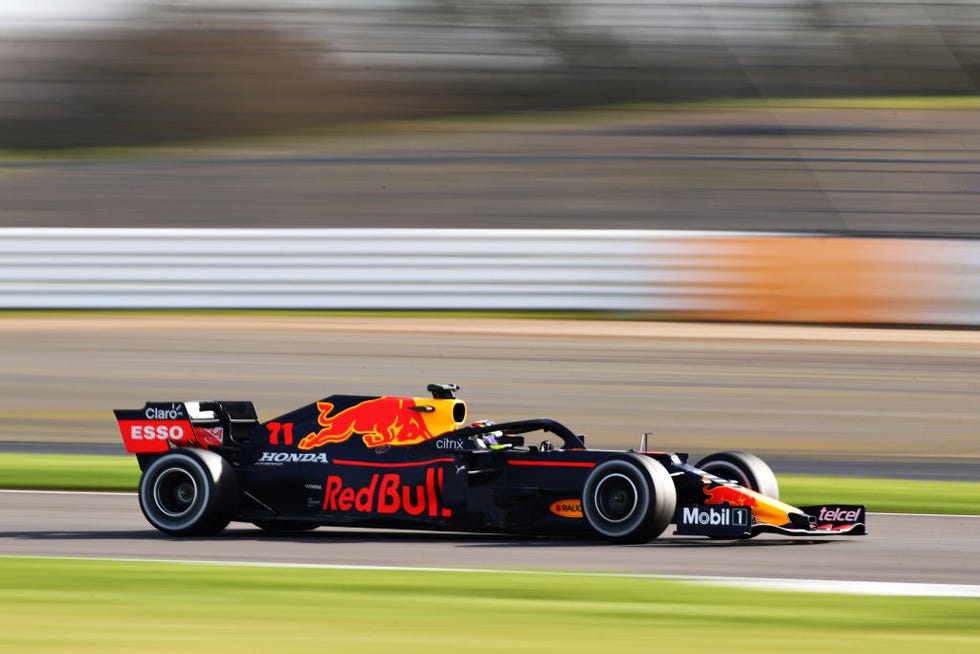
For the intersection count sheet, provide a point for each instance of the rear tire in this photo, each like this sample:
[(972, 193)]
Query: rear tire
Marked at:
[(188, 493), (746, 469), (629, 499)]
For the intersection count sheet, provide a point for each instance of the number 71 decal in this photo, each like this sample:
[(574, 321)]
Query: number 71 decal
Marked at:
[(277, 428)]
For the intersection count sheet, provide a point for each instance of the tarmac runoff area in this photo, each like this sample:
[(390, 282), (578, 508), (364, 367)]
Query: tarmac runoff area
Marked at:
[(843, 169), (834, 400)]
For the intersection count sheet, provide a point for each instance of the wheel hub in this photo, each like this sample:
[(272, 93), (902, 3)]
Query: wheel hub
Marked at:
[(616, 498), (174, 492)]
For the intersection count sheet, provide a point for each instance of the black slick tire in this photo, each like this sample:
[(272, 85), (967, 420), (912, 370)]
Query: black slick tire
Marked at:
[(629, 499), (746, 469), (188, 493)]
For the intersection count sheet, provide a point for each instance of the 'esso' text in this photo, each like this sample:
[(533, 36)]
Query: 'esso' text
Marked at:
[(156, 432)]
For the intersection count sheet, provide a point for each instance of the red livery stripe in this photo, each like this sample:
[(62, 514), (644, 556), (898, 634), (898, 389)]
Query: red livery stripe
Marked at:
[(554, 464), (375, 464)]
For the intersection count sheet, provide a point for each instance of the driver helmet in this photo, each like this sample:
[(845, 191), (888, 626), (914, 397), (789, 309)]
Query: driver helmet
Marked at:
[(490, 438)]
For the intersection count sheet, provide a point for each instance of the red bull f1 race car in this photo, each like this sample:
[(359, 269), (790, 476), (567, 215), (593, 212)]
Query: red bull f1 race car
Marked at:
[(406, 462)]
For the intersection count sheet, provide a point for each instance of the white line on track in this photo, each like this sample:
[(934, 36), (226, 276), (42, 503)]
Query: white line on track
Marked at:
[(894, 588), (898, 589)]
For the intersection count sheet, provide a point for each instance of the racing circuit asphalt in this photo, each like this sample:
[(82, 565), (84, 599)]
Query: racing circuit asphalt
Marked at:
[(899, 548), (858, 171), (899, 403), (827, 396)]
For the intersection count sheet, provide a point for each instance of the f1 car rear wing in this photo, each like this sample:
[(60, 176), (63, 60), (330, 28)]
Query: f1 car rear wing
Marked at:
[(160, 426)]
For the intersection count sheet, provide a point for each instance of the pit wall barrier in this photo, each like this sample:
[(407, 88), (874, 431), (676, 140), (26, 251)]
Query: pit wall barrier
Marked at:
[(669, 274)]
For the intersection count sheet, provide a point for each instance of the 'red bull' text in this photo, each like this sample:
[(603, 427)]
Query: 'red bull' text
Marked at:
[(386, 494)]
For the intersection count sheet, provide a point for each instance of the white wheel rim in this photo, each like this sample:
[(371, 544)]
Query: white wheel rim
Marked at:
[(598, 504), (181, 479)]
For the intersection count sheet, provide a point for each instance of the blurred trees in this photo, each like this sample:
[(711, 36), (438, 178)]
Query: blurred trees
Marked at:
[(189, 74), (148, 85)]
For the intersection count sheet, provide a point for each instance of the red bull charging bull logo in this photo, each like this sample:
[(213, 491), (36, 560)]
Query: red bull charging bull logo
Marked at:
[(380, 421), (764, 509), (722, 494)]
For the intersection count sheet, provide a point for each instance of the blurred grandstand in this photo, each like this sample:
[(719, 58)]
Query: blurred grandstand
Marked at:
[(182, 70)]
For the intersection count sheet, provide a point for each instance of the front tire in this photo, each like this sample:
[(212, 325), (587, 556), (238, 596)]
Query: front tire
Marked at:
[(746, 469), (186, 494), (629, 499)]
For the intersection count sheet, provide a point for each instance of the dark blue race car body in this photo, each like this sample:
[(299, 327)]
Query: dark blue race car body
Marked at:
[(404, 462)]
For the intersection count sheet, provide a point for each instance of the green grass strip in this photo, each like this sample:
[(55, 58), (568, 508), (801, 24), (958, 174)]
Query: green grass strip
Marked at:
[(69, 472), (120, 473), (884, 495), (56, 605)]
